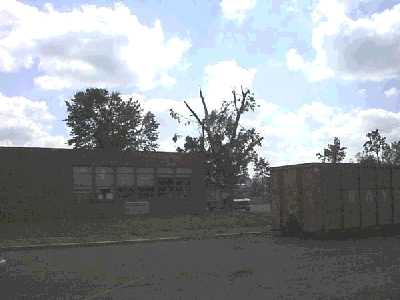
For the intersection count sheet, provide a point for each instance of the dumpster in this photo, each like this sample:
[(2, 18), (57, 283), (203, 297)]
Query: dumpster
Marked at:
[(323, 198)]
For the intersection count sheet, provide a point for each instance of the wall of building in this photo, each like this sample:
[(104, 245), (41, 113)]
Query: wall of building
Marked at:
[(327, 197), (39, 182)]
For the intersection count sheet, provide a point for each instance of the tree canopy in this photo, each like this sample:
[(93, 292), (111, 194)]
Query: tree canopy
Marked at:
[(392, 154), (334, 153), (98, 119), (375, 146), (378, 152)]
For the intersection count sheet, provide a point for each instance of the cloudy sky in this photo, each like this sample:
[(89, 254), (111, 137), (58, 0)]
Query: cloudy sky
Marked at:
[(319, 68)]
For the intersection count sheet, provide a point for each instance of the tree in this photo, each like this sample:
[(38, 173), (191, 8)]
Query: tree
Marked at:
[(376, 146), (334, 153), (366, 159), (262, 175), (102, 120), (262, 168), (229, 146), (391, 154)]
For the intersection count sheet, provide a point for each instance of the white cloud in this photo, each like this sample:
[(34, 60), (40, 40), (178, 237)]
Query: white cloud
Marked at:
[(89, 45), (362, 92), (294, 60), (52, 83), (24, 122), (315, 71), (366, 48), (295, 136), (236, 10), (222, 77), (392, 92)]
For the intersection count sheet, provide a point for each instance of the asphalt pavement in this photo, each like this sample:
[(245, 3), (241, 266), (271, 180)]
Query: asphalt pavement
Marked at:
[(261, 267)]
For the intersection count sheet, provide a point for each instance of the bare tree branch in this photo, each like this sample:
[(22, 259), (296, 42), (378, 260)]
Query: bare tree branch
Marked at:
[(204, 105), (194, 113), (235, 100)]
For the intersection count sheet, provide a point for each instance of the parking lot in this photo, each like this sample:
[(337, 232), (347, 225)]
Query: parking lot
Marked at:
[(262, 267)]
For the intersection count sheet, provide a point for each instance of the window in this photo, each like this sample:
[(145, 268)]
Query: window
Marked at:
[(82, 183), (183, 188), (184, 172), (166, 182), (183, 183), (125, 176), (104, 184), (82, 177), (125, 182), (145, 183)]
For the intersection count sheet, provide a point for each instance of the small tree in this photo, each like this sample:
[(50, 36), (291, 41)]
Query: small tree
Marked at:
[(334, 153), (99, 119), (391, 154), (376, 146), (262, 175), (365, 159)]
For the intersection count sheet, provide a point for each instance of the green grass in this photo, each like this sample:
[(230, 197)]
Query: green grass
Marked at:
[(131, 227)]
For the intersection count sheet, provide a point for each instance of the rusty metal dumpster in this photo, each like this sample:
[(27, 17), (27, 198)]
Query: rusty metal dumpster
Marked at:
[(320, 197)]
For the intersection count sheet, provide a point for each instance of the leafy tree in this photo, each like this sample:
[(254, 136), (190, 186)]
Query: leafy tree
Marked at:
[(230, 147), (262, 168), (261, 179), (391, 154), (334, 153), (376, 146), (99, 119), (366, 159)]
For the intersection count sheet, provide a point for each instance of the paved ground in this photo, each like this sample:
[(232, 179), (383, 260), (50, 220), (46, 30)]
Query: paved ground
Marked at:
[(238, 268)]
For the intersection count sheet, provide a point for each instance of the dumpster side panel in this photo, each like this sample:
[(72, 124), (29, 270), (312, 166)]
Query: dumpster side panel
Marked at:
[(396, 194), (351, 209), (300, 196), (384, 198), (287, 204), (396, 205), (290, 189), (396, 178), (368, 185), (350, 196), (276, 187), (332, 199), (368, 207), (383, 178), (312, 202), (307, 198), (284, 205)]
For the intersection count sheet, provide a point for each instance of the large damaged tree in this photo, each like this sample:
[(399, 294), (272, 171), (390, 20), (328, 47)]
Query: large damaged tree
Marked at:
[(230, 147)]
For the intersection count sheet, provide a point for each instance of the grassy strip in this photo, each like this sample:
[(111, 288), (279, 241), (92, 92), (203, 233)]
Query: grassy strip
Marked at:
[(64, 231)]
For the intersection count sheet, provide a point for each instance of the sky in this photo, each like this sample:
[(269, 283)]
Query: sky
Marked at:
[(317, 68)]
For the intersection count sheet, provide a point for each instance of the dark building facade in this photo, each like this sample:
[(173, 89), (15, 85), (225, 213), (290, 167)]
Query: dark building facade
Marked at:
[(41, 183)]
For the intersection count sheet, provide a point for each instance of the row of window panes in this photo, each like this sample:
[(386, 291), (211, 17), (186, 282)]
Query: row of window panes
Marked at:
[(125, 176), (105, 174), (125, 181)]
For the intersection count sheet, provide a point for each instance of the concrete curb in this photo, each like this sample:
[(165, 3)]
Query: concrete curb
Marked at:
[(127, 242)]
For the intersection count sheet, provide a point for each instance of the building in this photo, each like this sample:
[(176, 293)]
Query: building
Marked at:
[(38, 183)]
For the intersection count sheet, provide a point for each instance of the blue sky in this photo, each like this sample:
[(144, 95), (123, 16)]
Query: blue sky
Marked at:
[(319, 68)]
